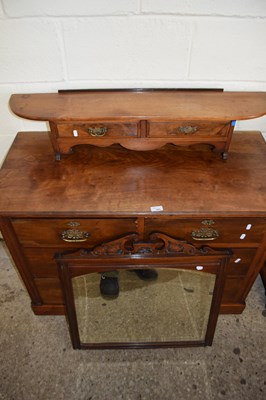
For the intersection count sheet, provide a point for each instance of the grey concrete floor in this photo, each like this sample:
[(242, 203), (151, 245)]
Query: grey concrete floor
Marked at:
[(38, 362)]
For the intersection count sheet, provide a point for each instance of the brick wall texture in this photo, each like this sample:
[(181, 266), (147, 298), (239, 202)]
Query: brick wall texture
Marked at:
[(50, 45)]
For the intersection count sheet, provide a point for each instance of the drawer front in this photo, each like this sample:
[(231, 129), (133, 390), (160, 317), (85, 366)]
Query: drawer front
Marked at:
[(240, 261), (188, 129), (96, 130), (41, 262), (70, 233), (211, 232)]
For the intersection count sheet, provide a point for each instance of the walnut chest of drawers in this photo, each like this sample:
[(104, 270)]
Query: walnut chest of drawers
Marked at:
[(140, 119), (96, 195)]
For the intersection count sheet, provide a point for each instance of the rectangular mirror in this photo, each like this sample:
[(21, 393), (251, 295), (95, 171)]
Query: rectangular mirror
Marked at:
[(175, 306)]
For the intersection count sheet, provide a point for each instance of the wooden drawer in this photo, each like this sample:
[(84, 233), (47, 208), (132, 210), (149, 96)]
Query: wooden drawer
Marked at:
[(188, 129), (62, 232), (96, 130), (227, 231), (41, 262)]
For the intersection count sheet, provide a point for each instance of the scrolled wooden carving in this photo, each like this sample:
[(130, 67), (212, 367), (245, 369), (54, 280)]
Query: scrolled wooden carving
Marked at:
[(157, 244), (172, 246), (115, 247)]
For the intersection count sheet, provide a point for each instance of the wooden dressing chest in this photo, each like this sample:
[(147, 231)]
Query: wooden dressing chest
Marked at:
[(99, 194)]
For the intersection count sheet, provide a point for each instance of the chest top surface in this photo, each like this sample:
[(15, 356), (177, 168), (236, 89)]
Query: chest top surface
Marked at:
[(117, 181)]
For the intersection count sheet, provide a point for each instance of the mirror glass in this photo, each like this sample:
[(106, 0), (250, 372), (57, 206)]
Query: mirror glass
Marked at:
[(173, 305)]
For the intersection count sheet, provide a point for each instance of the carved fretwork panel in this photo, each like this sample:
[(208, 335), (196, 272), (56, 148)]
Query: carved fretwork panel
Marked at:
[(157, 244)]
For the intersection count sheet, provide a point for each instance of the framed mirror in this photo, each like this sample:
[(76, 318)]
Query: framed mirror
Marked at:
[(145, 301)]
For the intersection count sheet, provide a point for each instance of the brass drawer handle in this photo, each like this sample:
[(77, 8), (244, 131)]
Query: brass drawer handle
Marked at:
[(188, 129), (206, 233), (97, 131), (74, 235)]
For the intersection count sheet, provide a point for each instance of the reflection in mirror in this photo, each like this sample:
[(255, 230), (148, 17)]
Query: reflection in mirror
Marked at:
[(173, 307)]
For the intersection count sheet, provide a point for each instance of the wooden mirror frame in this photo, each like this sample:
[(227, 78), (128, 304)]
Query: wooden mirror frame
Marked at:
[(159, 251)]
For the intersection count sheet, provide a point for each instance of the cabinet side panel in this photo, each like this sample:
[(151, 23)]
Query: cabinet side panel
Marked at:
[(17, 255)]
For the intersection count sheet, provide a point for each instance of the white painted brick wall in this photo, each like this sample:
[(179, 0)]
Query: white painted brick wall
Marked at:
[(239, 8), (29, 51), (235, 50), (59, 8), (131, 49), (56, 44)]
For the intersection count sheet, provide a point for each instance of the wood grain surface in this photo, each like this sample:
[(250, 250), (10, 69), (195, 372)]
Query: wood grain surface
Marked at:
[(116, 181), (155, 105)]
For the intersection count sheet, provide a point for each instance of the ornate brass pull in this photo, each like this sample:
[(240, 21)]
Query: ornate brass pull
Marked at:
[(97, 131), (188, 129), (207, 233), (74, 235)]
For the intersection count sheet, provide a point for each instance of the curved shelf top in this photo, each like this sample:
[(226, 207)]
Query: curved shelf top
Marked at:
[(121, 105)]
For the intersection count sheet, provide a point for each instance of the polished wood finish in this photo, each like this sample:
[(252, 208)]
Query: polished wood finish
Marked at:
[(140, 119), (107, 193), (120, 105), (116, 182)]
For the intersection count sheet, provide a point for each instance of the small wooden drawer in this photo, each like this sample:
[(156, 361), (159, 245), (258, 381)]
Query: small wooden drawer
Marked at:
[(96, 130), (188, 129), (213, 232), (70, 233)]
